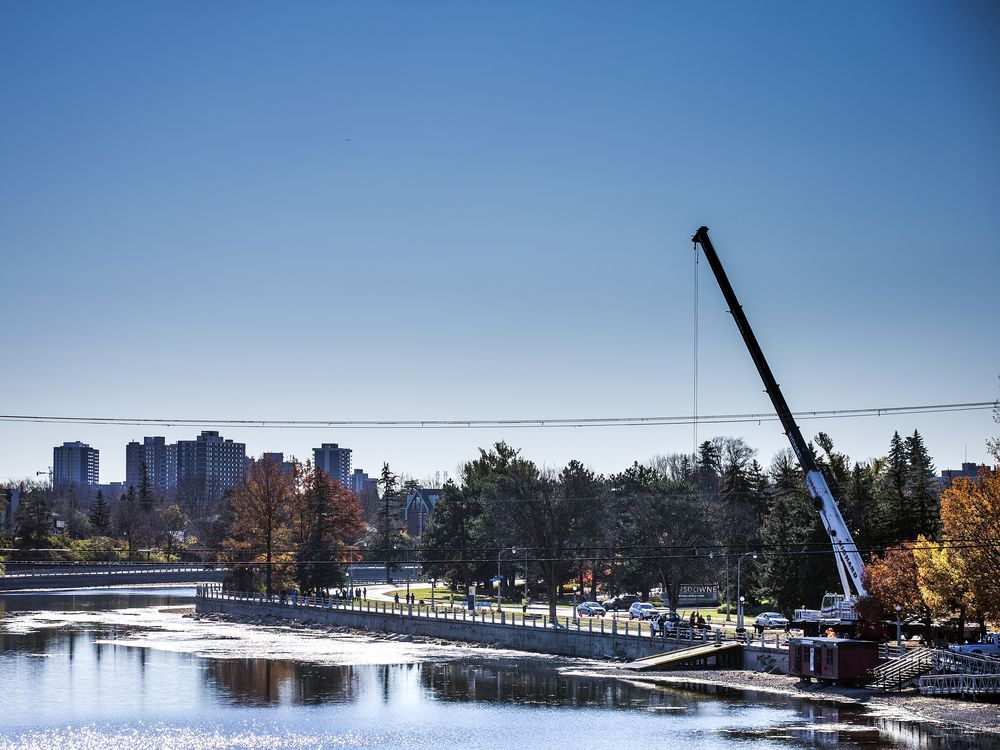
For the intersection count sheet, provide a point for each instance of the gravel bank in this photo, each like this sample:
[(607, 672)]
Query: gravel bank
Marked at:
[(907, 705)]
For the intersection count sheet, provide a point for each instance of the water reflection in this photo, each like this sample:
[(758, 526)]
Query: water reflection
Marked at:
[(88, 681)]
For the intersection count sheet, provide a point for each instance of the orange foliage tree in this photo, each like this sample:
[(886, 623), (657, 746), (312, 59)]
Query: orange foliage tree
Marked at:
[(261, 508), (970, 515), (892, 580), (331, 517)]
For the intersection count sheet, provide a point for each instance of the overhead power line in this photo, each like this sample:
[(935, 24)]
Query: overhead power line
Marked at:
[(399, 424)]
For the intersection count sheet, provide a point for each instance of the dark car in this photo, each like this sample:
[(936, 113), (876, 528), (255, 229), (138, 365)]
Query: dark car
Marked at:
[(620, 602), (668, 622)]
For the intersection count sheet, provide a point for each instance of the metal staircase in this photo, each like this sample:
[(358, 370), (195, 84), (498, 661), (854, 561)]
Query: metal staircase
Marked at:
[(904, 671), (940, 672)]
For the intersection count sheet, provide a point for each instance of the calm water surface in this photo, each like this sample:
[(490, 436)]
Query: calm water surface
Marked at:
[(119, 669)]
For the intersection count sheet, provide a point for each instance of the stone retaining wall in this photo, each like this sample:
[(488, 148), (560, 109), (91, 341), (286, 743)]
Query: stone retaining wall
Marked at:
[(558, 641)]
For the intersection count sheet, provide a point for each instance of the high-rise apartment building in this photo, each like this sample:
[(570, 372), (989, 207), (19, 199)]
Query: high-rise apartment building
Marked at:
[(287, 467), (335, 461), (207, 466), (155, 454), (362, 484), (75, 463)]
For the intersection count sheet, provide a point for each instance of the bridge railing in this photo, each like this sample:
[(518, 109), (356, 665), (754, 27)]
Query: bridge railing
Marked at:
[(501, 618), (79, 569)]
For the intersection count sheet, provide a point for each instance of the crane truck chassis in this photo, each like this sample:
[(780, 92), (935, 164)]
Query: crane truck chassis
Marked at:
[(838, 610)]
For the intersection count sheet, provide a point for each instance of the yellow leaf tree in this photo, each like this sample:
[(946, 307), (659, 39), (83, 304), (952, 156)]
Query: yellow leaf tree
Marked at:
[(970, 520)]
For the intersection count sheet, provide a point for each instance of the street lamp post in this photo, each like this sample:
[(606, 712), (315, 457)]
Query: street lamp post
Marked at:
[(513, 551), (729, 593), (739, 610), (899, 627)]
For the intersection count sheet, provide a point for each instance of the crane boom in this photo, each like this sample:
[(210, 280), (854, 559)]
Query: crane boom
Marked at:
[(849, 563)]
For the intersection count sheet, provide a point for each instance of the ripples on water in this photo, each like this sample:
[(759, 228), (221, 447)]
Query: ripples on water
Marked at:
[(110, 670)]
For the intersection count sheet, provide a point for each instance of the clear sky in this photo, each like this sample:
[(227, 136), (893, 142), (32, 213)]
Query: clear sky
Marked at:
[(331, 210)]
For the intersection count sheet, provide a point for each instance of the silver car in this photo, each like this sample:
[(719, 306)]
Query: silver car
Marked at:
[(642, 611), (770, 620)]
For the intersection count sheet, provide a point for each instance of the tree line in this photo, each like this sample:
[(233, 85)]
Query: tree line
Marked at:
[(683, 519)]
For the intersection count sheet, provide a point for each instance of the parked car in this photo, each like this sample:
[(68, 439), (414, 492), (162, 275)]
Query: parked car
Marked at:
[(770, 620), (590, 609), (641, 611), (622, 601), (988, 646), (665, 622)]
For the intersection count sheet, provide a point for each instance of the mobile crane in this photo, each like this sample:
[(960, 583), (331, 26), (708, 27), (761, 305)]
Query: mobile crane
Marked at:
[(837, 609)]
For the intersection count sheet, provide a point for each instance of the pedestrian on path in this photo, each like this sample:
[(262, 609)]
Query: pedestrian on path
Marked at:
[(395, 597)]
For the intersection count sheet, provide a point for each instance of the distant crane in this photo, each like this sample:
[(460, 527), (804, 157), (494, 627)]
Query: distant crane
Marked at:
[(837, 609)]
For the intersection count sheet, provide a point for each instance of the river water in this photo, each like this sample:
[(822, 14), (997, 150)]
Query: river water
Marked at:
[(125, 669)]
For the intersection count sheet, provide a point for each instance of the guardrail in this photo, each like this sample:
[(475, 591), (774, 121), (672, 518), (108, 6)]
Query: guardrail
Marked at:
[(119, 569), (503, 618), (964, 685)]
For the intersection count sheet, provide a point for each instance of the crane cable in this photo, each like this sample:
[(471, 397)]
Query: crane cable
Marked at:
[(694, 421)]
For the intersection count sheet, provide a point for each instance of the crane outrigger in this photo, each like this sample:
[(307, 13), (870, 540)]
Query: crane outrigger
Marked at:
[(837, 609)]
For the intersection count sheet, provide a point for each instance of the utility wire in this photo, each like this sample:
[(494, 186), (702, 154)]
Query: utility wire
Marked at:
[(504, 423)]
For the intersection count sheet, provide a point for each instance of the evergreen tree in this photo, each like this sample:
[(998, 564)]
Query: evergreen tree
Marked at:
[(390, 529), (100, 515), (146, 496), (921, 488), (857, 505), (454, 528), (795, 576), (893, 523)]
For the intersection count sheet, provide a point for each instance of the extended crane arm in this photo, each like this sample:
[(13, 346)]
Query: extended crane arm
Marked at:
[(849, 563)]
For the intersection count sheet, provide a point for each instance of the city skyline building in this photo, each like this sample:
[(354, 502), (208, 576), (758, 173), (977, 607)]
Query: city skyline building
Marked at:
[(207, 466), (362, 484), (75, 463), (335, 461), (287, 467), (160, 460)]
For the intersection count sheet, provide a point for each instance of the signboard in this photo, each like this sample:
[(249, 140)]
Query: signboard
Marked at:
[(698, 594), (472, 598)]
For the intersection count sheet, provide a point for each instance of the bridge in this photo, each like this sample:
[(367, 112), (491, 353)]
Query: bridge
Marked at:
[(25, 577)]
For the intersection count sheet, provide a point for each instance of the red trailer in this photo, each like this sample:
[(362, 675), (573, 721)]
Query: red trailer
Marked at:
[(841, 660)]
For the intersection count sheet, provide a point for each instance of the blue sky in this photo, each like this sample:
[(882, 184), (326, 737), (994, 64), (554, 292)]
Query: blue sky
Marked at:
[(472, 210)]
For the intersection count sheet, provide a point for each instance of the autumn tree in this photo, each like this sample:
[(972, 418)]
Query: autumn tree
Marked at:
[(335, 526), (970, 512), (943, 582), (893, 580), (261, 507)]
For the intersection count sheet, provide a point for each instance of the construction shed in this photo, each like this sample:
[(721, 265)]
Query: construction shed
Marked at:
[(832, 659)]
